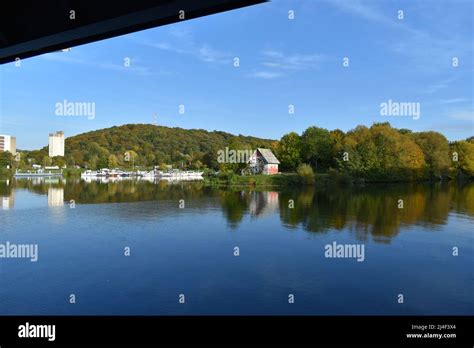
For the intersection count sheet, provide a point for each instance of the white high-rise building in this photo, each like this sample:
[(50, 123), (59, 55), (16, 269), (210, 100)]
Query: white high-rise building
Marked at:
[(56, 144), (8, 143)]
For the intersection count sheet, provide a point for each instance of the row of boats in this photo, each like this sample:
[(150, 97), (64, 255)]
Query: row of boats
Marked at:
[(174, 174), (38, 174)]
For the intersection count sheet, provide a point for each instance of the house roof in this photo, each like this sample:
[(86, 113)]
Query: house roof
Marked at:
[(268, 156)]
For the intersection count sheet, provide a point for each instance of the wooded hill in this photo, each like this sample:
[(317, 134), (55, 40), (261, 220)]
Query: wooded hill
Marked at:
[(151, 145), (376, 153)]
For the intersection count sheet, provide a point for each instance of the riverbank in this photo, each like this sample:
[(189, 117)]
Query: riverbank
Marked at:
[(5, 173), (295, 180), (280, 180), (285, 179)]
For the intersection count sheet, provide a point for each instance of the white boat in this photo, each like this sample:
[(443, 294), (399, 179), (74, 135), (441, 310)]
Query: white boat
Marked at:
[(94, 174), (39, 173), (149, 175), (89, 174), (104, 173), (145, 174), (179, 175)]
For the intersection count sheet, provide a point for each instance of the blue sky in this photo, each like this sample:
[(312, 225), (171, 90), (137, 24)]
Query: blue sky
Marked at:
[(282, 62)]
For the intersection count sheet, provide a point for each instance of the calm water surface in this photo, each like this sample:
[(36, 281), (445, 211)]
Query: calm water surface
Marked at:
[(190, 251)]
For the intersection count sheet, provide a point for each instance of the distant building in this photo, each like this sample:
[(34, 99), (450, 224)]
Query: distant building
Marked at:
[(56, 144), (263, 161), (8, 143)]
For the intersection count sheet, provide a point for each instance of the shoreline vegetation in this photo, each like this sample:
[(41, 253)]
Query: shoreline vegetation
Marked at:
[(376, 154), (294, 180)]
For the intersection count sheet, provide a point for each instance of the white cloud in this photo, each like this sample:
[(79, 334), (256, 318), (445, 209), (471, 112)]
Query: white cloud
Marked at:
[(204, 53), (426, 50), (463, 115), (267, 75), (434, 87), (453, 100), (278, 60), (185, 44), (278, 64), (209, 54), (360, 9), (438, 85), (66, 57)]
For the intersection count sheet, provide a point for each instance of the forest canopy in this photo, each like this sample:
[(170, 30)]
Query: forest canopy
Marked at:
[(377, 153)]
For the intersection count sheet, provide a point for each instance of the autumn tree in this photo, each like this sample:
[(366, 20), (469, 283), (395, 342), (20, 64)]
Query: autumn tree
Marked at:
[(462, 156), (435, 149), (381, 153)]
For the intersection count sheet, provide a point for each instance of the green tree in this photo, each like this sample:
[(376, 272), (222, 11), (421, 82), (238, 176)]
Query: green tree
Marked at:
[(306, 174), (92, 163), (210, 158), (112, 161), (237, 156), (70, 161), (359, 157), (78, 157), (337, 137), (130, 157), (6, 159), (289, 151), (316, 147), (150, 159), (197, 164), (47, 161), (59, 161)]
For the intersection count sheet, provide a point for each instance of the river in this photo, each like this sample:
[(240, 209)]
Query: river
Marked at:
[(145, 248)]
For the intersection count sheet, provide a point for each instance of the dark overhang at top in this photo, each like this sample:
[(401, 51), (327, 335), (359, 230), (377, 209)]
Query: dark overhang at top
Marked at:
[(32, 27)]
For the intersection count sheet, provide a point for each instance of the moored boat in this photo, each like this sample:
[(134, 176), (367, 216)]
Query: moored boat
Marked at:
[(180, 175), (37, 174), (154, 174)]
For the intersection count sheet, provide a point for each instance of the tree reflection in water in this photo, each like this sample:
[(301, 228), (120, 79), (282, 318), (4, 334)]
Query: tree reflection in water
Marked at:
[(372, 210)]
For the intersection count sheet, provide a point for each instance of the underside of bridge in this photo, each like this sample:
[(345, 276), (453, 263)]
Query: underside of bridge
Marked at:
[(31, 27)]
